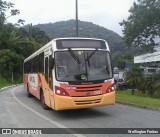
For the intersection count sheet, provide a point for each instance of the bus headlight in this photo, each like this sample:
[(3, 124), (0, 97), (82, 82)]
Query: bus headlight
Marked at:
[(111, 88), (58, 91), (61, 91)]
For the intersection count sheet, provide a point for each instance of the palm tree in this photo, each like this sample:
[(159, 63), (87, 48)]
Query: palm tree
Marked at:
[(38, 35), (134, 77), (10, 37), (5, 34)]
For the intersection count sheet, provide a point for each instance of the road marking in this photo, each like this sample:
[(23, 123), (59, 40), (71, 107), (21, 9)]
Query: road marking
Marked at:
[(45, 118)]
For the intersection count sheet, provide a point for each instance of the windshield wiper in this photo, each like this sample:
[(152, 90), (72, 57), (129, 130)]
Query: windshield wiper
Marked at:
[(93, 52), (76, 58), (88, 57)]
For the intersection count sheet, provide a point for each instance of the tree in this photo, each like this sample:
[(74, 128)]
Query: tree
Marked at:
[(134, 77), (8, 7), (14, 39), (7, 29), (38, 35), (153, 83), (11, 63), (14, 44), (9, 36), (26, 47), (143, 25), (120, 60)]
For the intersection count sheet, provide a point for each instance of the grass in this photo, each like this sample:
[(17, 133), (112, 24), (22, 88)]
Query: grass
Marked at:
[(138, 99), (4, 83)]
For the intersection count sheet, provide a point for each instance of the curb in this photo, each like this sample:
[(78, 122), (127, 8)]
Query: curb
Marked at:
[(1, 89), (134, 105)]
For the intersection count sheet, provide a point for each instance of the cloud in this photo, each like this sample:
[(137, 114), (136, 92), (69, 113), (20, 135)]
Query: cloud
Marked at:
[(106, 13)]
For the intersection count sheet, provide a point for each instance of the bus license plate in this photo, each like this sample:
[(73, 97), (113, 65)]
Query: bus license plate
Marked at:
[(97, 92)]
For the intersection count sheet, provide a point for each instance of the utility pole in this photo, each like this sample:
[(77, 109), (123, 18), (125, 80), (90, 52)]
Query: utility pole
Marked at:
[(77, 18)]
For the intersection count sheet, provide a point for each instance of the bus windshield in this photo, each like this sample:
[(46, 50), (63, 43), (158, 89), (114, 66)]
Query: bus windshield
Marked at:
[(78, 65)]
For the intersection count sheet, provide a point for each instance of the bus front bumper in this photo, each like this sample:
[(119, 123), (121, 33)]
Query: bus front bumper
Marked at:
[(66, 102)]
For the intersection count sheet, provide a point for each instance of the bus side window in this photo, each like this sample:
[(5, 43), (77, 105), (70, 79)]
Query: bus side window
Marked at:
[(31, 65), (41, 63), (46, 69), (51, 66)]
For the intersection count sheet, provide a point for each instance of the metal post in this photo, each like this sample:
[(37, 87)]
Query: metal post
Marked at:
[(77, 18), (12, 76)]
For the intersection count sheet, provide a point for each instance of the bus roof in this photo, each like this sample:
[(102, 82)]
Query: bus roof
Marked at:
[(78, 38), (56, 39)]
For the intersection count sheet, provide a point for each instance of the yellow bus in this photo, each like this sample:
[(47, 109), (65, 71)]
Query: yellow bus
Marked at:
[(71, 73)]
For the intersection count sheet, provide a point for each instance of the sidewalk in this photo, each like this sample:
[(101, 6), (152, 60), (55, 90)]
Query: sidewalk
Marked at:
[(1, 89)]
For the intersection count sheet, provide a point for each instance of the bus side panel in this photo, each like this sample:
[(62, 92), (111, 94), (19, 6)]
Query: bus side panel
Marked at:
[(46, 91), (33, 83), (52, 100), (25, 81), (25, 78)]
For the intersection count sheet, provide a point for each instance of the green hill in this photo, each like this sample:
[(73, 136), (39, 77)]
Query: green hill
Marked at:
[(86, 29)]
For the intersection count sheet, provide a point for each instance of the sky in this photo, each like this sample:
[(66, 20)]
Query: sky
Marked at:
[(105, 13)]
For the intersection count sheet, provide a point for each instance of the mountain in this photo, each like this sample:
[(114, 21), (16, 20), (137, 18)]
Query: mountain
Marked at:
[(86, 29)]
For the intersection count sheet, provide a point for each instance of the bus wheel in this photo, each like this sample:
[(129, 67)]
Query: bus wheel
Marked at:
[(43, 101), (28, 93)]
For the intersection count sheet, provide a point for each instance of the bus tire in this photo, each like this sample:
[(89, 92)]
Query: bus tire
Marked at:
[(28, 93), (44, 106)]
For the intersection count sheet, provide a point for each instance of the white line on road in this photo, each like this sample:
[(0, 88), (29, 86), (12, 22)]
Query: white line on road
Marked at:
[(46, 118)]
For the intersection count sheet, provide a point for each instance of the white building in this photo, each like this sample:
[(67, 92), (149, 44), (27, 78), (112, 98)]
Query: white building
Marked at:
[(149, 58), (150, 62)]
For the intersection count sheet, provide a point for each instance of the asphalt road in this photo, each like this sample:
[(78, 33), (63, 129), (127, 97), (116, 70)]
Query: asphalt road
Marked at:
[(19, 111)]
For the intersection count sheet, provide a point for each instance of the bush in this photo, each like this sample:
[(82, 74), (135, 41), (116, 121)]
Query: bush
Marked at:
[(133, 77), (150, 84)]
